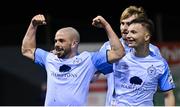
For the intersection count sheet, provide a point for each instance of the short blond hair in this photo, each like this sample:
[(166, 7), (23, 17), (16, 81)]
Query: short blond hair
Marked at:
[(133, 10)]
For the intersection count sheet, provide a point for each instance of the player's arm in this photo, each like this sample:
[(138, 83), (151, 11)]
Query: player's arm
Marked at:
[(117, 50), (169, 98), (29, 41), (167, 85)]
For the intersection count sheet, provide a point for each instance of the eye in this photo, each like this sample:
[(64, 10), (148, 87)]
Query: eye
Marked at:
[(133, 31), (122, 23)]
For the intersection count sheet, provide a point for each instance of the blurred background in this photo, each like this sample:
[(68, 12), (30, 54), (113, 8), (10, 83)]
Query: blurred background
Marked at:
[(23, 83)]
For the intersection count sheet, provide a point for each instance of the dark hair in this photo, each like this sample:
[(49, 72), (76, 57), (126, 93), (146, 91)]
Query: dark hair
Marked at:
[(145, 22)]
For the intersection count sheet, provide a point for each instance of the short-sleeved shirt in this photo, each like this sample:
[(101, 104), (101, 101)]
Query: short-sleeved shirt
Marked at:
[(136, 79), (110, 77), (68, 79)]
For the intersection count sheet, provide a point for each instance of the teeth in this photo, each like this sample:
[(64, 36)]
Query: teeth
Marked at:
[(59, 49)]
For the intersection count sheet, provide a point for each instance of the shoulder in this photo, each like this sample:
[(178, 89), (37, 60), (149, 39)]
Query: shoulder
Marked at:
[(155, 50), (106, 43), (153, 47), (85, 54), (44, 53), (159, 62)]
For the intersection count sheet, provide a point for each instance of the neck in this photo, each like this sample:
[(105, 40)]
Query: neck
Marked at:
[(71, 55), (142, 51)]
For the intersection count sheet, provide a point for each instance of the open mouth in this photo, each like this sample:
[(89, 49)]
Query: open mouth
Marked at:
[(129, 41), (58, 50)]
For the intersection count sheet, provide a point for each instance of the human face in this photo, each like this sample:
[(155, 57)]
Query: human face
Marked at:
[(62, 44), (137, 35), (124, 27)]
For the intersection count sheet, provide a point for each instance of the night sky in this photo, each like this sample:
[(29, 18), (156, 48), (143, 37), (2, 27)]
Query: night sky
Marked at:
[(16, 15)]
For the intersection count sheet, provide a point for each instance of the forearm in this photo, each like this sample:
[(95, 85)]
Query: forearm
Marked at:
[(169, 99), (117, 49)]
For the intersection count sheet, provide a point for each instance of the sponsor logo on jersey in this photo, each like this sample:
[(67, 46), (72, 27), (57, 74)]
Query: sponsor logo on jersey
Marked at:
[(64, 68)]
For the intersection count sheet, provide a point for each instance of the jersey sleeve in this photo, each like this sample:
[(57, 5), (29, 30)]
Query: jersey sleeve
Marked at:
[(166, 80), (105, 46), (155, 50), (40, 57), (100, 61)]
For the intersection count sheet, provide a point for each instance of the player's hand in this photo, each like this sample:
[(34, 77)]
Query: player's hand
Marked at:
[(99, 22), (38, 20)]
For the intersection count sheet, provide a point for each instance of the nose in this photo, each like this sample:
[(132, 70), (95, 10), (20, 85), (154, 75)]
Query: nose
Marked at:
[(57, 44), (128, 35)]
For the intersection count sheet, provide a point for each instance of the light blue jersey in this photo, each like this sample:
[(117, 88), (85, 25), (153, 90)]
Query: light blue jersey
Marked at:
[(110, 76), (68, 79), (137, 79)]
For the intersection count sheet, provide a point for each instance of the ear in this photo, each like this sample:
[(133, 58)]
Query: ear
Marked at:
[(147, 36), (75, 43)]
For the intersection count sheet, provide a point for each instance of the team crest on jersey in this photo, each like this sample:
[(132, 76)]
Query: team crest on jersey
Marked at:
[(77, 61), (151, 71)]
